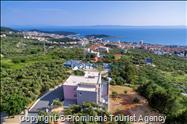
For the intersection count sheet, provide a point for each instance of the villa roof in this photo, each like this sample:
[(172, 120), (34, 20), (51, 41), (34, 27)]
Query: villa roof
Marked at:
[(89, 77)]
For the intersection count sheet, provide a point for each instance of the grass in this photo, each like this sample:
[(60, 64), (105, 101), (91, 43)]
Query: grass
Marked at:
[(28, 61), (173, 76)]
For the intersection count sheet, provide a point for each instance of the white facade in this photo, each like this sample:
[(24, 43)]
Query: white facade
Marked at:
[(83, 88)]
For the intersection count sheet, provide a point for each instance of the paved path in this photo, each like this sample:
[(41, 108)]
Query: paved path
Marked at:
[(46, 100)]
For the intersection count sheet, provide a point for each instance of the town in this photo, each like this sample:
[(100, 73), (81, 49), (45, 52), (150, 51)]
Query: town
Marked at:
[(92, 71), (75, 40), (93, 62)]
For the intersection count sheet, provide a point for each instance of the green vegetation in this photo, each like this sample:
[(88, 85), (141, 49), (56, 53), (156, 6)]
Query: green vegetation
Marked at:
[(78, 72), (162, 84), (114, 94), (5, 29), (30, 82), (48, 118), (86, 109), (94, 110), (122, 72), (57, 102), (165, 99), (16, 103), (65, 40), (27, 71)]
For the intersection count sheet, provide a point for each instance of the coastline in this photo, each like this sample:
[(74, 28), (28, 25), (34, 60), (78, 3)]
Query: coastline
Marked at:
[(162, 36)]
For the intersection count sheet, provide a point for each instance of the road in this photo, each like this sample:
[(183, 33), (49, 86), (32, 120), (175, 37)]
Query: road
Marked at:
[(46, 100)]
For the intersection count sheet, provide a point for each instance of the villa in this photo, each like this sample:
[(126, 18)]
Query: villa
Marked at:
[(87, 88), (77, 64)]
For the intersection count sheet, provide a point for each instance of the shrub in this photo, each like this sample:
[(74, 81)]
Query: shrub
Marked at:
[(112, 82), (105, 78), (57, 102), (78, 73), (125, 92), (33, 52), (23, 60), (16, 60), (136, 100), (114, 94)]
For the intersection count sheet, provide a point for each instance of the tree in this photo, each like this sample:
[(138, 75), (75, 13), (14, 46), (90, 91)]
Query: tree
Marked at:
[(85, 109), (15, 104), (100, 68), (78, 72), (123, 72), (165, 99), (125, 91), (57, 102), (48, 118), (130, 72)]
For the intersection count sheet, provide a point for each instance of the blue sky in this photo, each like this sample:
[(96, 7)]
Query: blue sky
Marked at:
[(65, 13)]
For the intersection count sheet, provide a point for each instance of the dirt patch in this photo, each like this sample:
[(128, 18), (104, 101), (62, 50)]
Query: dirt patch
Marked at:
[(125, 103), (13, 120)]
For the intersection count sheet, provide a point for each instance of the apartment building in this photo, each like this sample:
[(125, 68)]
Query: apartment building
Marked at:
[(87, 88)]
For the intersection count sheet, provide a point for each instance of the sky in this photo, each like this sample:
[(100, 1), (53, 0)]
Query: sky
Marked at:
[(64, 13)]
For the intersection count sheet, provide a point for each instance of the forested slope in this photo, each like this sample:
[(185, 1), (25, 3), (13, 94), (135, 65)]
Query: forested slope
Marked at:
[(27, 71)]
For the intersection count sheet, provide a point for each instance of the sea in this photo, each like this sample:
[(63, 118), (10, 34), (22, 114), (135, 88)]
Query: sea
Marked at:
[(152, 35)]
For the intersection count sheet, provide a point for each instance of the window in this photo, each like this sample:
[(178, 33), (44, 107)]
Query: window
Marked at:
[(75, 89)]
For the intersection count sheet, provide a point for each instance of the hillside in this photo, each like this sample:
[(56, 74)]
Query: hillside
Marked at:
[(6, 29), (54, 32), (162, 83), (27, 71)]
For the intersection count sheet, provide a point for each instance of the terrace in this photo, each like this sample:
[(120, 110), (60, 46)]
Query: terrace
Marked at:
[(79, 89)]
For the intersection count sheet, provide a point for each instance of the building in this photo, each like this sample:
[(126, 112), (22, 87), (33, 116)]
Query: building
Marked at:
[(148, 61), (77, 64), (3, 35), (99, 48), (72, 63), (93, 52), (103, 49), (87, 88)]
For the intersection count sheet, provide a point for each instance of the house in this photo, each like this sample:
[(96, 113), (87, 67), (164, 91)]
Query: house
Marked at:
[(77, 64), (3, 35), (103, 49), (99, 48), (106, 66), (93, 52), (148, 61), (72, 63), (87, 88)]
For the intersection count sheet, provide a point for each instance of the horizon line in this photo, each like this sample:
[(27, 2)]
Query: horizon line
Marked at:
[(34, 26)]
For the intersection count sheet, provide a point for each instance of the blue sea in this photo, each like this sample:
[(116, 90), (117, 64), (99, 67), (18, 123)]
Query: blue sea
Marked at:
[(153, 35), (166, 36)]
